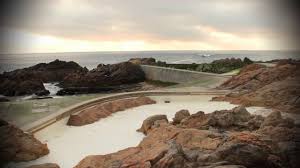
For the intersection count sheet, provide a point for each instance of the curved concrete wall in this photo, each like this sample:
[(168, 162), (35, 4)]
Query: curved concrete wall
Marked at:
[(181, 76), (46, 121)]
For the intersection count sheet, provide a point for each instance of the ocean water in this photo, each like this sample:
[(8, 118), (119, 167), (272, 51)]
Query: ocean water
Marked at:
[(90, 60)]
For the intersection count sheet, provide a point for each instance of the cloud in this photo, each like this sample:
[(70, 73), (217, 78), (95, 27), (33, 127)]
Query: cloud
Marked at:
[(149, 20)]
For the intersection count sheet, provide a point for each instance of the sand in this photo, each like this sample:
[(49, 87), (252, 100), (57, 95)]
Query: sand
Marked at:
[(68, 144)]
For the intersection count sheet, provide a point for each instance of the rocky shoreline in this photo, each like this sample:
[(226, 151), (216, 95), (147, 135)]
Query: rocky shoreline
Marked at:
[(227, 138), (221, 139), (73, 78), (275, 87), (218, 66)]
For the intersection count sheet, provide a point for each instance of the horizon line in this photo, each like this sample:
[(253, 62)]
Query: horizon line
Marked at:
[(139, 51)]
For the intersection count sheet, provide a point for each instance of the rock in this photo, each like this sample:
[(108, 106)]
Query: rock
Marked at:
[(223, 65), (180, 115), (244, 154), (236, 118), (157, 149), (3, 99), (247, 61), (275, 119), (96, 112), (228, 166), (15, 145), (255, 122), (106, 76), (275, 87), (290, 150), (142, 61), (18, 88), (278, 134), (241, 114), (198, 120), (150, 121), (185, 146), (30, 80), (84, 90), (199, 139), (45, 165), (42, 93), (251, 67), (174, 157)]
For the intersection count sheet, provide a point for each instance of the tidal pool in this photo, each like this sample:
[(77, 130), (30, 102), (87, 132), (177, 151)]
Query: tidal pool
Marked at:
[(69, 144)]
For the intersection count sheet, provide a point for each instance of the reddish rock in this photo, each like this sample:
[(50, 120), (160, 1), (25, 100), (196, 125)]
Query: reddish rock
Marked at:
[(180, 115), (45, 165), (237, 118), (96, 112), (275, 119), (275, 87), (169, 146), (15, 145), (152, 122)]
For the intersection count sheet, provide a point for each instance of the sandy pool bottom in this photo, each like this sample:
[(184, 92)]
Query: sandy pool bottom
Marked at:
[(68, 144)]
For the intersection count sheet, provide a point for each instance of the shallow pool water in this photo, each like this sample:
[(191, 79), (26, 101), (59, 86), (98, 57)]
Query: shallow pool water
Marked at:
[(68, 144)]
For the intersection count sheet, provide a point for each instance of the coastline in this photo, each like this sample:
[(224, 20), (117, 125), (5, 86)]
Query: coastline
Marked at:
[(253, 119)]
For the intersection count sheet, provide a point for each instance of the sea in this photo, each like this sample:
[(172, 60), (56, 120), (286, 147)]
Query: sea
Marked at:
[(9, 62)]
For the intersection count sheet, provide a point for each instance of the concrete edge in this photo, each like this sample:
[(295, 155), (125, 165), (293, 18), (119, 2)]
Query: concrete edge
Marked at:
[(65, 112), (183, 70)]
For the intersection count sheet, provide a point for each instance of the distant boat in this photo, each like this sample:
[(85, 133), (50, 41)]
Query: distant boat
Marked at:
[(203, 55)]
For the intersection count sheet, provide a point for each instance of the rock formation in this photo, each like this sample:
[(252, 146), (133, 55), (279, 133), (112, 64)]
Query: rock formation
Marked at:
[(204, 140), (180, 115), (275, 87), (223, 65), (106, 75), (217, 66), (103, 78), (30, 80), (94, 113), (142, 61), (72, 77), (15, 145)]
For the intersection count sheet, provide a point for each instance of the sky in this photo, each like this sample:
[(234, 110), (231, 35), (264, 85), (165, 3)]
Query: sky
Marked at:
[(40, 26)]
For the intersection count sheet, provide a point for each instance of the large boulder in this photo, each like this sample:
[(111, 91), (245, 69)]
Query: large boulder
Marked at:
[(15, 145), (102, 110), (24, 87), (236, 118)]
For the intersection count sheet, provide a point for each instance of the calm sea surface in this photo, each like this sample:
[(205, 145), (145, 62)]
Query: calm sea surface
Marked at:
[(90, 60)]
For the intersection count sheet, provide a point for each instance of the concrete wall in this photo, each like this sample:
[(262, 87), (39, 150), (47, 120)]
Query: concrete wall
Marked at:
[(181, 76), (66, 112)]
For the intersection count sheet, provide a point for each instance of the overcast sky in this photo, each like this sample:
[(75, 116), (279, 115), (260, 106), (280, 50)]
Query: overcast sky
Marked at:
[(118, 25)]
